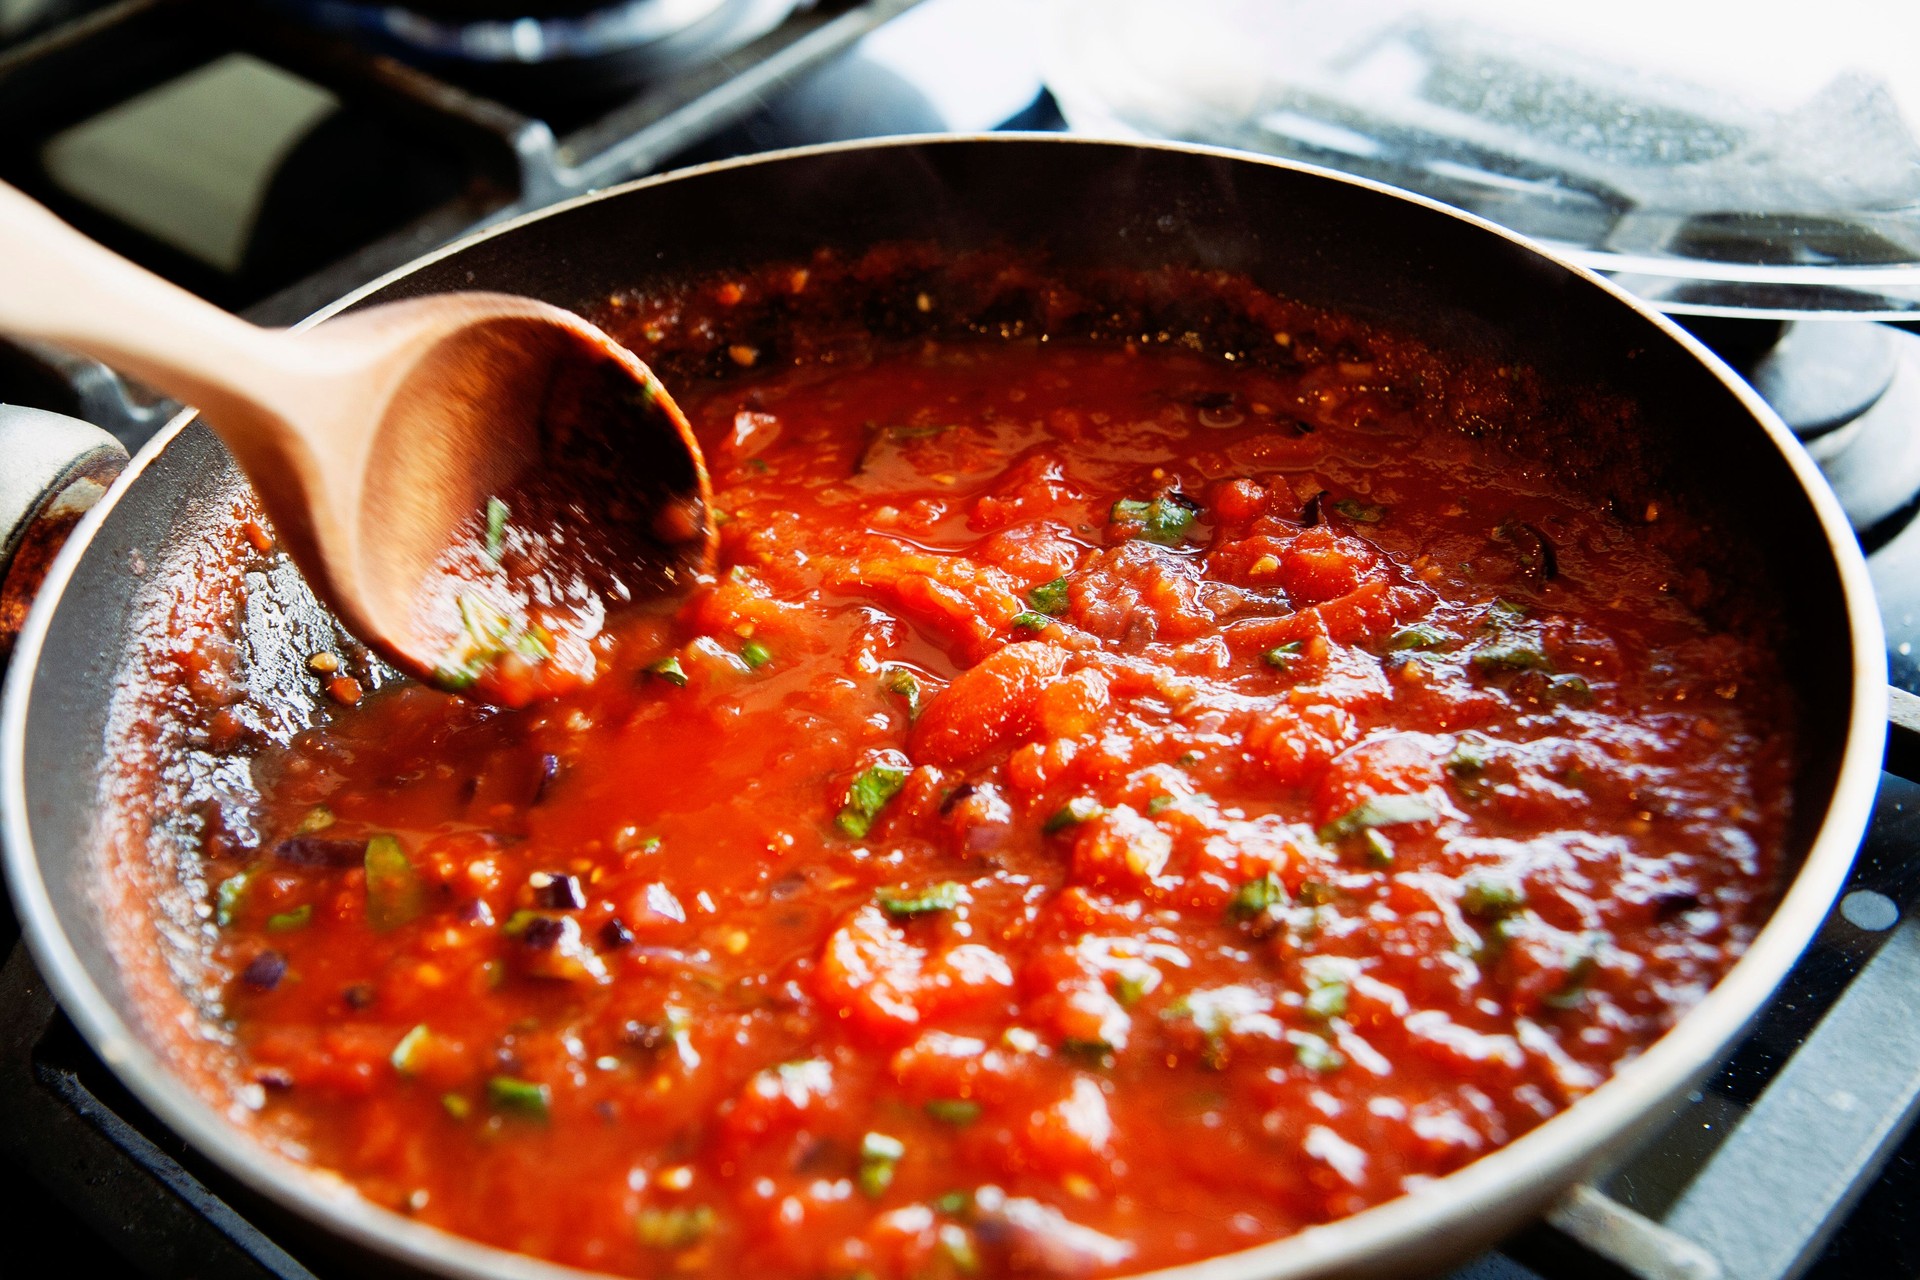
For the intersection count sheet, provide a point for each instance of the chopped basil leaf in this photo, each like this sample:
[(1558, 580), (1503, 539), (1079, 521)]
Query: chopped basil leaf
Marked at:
[(522, 1097), (755, 654), (868, 795), (672, 1230), (1490, 896), (1417, 636), (395, 893), (1360, 512), (1027, 620), (497, 514), (944, 896), (1256, 897), (1164, 520), (318, 818), (1316, 1054), (287, 921), (1049, 597), (907, 685), (1327, 999), (1511, 655), (1378, 811), (1281, 657), (954, 1111), (1072, 813), (227, 898), (879, 1156), (406, 1055), (670, 670)]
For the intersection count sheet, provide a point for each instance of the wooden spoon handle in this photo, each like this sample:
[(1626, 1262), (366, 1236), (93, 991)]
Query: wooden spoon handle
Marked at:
[(57, 285)]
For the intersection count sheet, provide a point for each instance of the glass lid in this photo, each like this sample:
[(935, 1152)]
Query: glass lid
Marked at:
[(1757, 158)]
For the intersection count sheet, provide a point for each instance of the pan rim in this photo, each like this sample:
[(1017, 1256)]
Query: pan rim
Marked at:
[(1567, 1142)]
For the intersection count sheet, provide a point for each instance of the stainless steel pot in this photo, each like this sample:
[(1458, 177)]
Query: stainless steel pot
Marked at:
[(1325, 239)]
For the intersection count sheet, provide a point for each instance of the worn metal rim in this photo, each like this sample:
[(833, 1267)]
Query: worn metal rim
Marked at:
[(1555, 1152)]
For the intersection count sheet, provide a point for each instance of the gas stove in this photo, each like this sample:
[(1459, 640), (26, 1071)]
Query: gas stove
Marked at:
[(312, 157)]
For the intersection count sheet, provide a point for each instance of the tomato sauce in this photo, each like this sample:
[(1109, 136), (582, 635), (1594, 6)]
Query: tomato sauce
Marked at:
[(1114, 805)]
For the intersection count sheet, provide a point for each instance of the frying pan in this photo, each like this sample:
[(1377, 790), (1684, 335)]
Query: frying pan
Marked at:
[(76, 766)]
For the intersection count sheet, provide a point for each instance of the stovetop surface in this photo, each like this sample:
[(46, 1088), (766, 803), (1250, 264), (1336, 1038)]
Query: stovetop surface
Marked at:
[(837, 70)]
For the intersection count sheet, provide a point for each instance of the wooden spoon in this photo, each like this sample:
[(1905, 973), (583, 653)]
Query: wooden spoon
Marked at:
[(471, 481)]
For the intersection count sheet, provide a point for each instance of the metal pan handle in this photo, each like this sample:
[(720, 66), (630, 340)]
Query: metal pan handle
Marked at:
[(52, 469)]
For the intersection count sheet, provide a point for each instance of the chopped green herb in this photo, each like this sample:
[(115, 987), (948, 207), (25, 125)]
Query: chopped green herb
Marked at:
[(1361, 512), (755, 654), (395, 893), (1160, 804), (1512, 655), (1507, 609), (1049, 597), (1281, 657), (1468, 757), (1094, 1052), (1164, 520), (1316, 1054), (674, 1229), (1027, 620), (489, 636), (1490, 896), (522, 1097), (497, 514), (1379, 849), (758, 466), (1327, 999), (227, 898), (1130, 987), (406, 1056), (907, 685), (954, 1202), (957, 1244), (318, 818), (287, 921), (456, 1106), (1074, 812), (1573, 689), (954, 1111), (670, 670), (868, 796), (1256, 897), (879, 1156), (1580, 957), (1379, 811), (1417, 636), (944, 896)]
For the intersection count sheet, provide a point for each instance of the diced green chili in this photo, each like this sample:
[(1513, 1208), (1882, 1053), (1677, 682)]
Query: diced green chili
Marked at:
[(953, 1111), (522, 1097), (406, 1056), (1074, 812), (1327, 998), (670, 670), (868, 795), (1049, 597), (879, 1157), (755, 655), (932, 900), (1027, 620), (671, 1230), (395, 893), (1163, 520), (1417, 636), (227, 898), (1360, 512), (1281, 657), (497, 514), (287, 921), (1379, 811)]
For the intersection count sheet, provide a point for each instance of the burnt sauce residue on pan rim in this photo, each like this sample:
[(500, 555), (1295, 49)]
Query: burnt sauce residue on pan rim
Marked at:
[(235, 680)]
